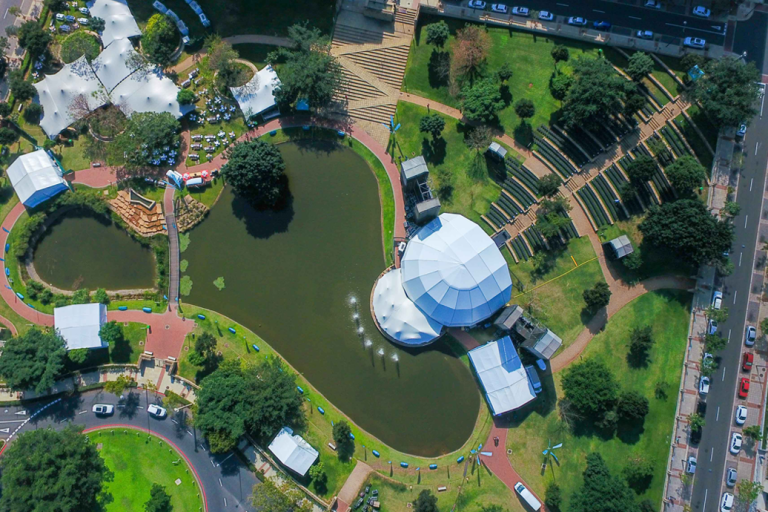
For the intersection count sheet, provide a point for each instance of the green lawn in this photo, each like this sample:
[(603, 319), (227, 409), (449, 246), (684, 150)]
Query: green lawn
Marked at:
[(710, 131), (667, 81), (555, 301), (256, 53), (126, 352), (661, 98), (144, 188), (667, 312), (208, 194), (72, 155), (137, 464)]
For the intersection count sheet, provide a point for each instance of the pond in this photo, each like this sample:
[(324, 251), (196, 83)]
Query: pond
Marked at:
[(80, 250), (290, 276)]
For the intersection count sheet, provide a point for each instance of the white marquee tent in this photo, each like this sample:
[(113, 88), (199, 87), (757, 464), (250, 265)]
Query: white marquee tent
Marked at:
[(398, 316), (257, 95), (293, 451), (149, 91), (36, 177), (111, 66), (69, 95), (454, 272), (118, 20), (80, 324), (502, 375)]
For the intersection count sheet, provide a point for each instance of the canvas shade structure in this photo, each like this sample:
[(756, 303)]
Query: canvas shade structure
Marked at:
[(69, 95), (80, 324), (112, 65), (258, 94), (502, 375), (119, 23), (148, 90), (36, 177), (545, 345), (454, 272), (621, 246), (398, 316), (293, 451)]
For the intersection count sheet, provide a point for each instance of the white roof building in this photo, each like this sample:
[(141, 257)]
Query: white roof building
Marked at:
[(80, 324), (293, 451), (69, 95), (398, 316), (118, 20), (148, 90), (502, 376), (112, 65), (258, 94), (454, 272), (36, 177)]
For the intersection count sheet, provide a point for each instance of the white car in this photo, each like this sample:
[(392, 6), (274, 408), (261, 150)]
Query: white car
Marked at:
[(695, 42), (742, 131), (741, 415), (736, 441), (726, 502), (477, 4), (84, 10), (499, 8), (731, 477), (157, 411), (82, 21), (704, 385), (701, 11), (654, 4), (750, 336), (521, 11), (691, 465), (103, 409), (546, 16), (644, 34), (717, 298), (707, 357), (60, 17), (712, 327), (577, 22)]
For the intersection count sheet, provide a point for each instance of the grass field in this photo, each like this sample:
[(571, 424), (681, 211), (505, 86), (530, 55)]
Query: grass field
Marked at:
[(72, 156), (137, 464), (122, 353), (667, 312), (256, 53)]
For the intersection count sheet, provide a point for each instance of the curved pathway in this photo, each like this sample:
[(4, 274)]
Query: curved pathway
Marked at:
[(241, 39)]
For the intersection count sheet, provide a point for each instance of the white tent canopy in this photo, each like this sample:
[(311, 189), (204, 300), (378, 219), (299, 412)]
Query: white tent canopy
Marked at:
[(118, 20), (398, 316), (69, 95), (454, 272), (293, 451), (148, 90), (257, 95), (111, 66), (80, 324), (502, 375), (36, 177)]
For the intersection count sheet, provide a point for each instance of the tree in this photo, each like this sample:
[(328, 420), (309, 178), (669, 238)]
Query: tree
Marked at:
[(560, 84), (119, 385), (5, 109), (590, 387), (22, 90), (55, 467), (641, 169), (714, 343), (549, 184), (111, 333), (78, 356), (445, 180), (159, 500), (696, 422), (33, 38), (479, 139), (55, 5), (433, 124), (718, 315), (640, 65), (596, 93), (640, 343), (638, 473), (101, 296), (12, 31), (222, 59), (708, 366), (205, 345), (425, 502), (438, 33), (97, 24), (482, 101), (686, 174), (764, 326), (185, 97), (688, 230), (747, 492), (752, 432), (505, 72), (160, 39), (147, 134), (32, 113), (632, 406), (33, 360), (552, 216), (601, 491), (731, 208), (633, 103), (8, 136), (319, 477), (273, 399), (553, 497), (560, 53), (221, 408), (256, 171), (81, 296), (14, 10), (727, 91), (525, 109), (470, 50), (597, 297), (342, 436), (275, 496)]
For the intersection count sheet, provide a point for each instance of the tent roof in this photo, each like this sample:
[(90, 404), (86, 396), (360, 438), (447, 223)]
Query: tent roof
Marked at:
[(398, 316), (293, 451), (148, 90), (258, 94), (57, 94), (414, 167), (502, 375), (35, 177), (546, 345), (79, 324), (497, 148), (454, 272), (111, 66), (118, 20), (621, 246)]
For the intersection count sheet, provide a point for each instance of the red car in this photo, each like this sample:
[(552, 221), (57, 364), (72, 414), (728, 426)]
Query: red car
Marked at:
[(744, 388), (747, 363)]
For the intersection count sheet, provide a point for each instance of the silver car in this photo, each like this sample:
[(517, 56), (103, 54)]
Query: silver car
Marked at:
[(730, 477), (546, 16), (695, 42), (499, 8), (103, 409), (750, 336), (521, 11)]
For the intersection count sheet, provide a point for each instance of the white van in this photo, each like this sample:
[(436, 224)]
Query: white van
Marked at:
[(528, 497)]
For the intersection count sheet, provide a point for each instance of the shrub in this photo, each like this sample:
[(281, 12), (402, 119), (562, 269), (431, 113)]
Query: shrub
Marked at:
[(32, 113), (79, 44)]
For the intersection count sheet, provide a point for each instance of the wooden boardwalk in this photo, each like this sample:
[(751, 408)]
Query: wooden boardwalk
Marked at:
[(173, 242)]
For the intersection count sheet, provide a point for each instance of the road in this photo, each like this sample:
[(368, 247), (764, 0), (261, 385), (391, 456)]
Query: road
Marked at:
[(713, 448), (226, 481)]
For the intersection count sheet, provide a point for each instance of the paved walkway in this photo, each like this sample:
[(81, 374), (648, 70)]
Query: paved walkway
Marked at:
[(173, 242), (355, 481), (242, 39)]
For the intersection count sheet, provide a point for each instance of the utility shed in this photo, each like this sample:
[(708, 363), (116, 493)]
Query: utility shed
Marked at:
[(497, 151), (506, 320), (621, 246)]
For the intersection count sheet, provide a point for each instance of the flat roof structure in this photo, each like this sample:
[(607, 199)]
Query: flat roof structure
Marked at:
[(293, 451), (119, 23), (413, 168), (258, 94), (502, 376), (80, 324), (36, 177)]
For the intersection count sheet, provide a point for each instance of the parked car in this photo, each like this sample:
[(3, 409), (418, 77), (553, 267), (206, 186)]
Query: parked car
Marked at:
[(654, 4), (694, 42), (711, 326), (717, 300), (477, 4), (741, 415), (577, 22), (84, 10), (742, 131), (103, 409), (726, 502), (744, 388), (747, 361), (701, 11), (750, 335), (60, 17), (736, 441), (367, 489), (521, 11), (730, 477), (704, 385), (546, 16), (527, 496), (82, 21), (691, 465), (358, 503), (499, 8), (644, 34), (69, 18), (603, 26), (157, 411)]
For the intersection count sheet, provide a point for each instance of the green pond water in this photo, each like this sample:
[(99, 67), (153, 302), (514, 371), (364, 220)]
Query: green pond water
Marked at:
[(290, 276), (80, 250)]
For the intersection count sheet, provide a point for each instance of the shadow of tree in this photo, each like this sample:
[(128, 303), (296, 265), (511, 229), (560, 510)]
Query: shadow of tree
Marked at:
[(434, 151)]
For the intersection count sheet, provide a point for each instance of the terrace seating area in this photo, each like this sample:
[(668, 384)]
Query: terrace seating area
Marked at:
[(143, 215)]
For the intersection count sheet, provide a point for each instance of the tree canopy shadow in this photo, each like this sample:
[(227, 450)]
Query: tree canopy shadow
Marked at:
[(263, 223), (434, 151)]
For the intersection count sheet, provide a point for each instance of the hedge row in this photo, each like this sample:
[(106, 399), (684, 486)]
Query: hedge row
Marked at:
[(521, 195), (561, 164), (593, 205), (675, 142), (566, 146), (509, 206)]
